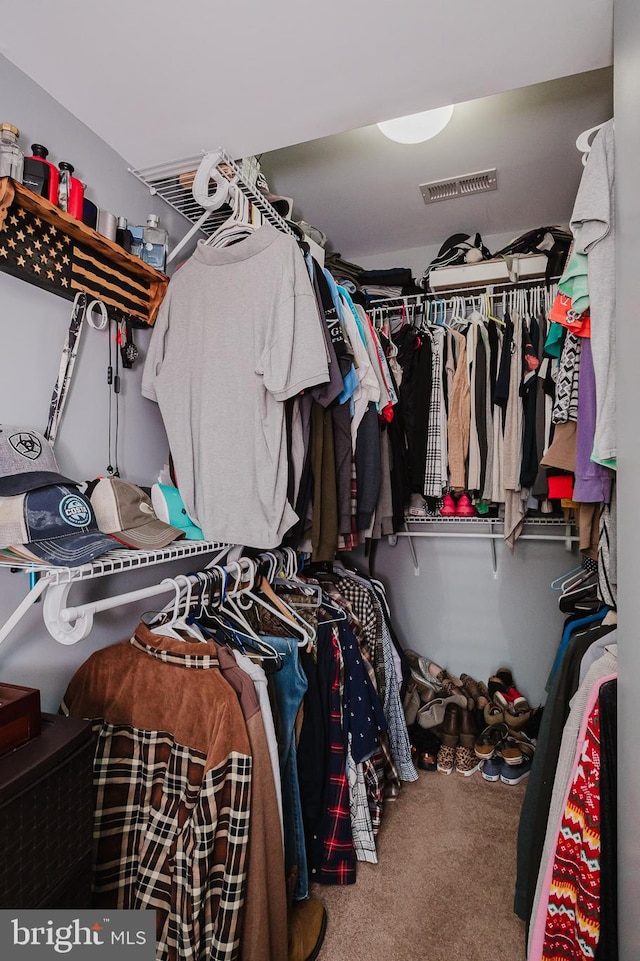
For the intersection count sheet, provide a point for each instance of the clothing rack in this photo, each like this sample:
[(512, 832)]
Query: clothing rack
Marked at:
[(56, 582), (474, 296)]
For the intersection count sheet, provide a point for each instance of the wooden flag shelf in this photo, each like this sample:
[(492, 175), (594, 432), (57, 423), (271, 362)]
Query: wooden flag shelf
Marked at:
[(47, 247)]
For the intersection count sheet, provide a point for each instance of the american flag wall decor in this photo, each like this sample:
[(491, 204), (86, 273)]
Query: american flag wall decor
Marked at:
[(45, 246)]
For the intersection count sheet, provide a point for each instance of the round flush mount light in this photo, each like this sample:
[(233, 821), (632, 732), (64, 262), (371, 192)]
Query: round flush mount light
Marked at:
[(417, 127)]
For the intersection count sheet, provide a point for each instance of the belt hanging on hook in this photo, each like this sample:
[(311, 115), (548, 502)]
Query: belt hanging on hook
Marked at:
[(113, 384)]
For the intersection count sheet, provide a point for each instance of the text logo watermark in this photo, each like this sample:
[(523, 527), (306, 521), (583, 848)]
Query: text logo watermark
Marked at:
[(82, 935)]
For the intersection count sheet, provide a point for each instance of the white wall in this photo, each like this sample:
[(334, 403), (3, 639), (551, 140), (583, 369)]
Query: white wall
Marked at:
[(33, 326)]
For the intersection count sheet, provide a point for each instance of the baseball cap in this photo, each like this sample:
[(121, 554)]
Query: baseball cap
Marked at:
[(56, 523), (125, 511), (168, 504), (27, 461)]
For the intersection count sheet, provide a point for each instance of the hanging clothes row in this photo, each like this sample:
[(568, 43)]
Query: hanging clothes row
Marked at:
[(566, 862), (247, 739)]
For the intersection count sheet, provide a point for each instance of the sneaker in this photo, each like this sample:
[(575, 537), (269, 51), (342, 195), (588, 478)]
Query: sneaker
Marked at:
[(466, 762), (417, 506), (516, 773), (446, 758), (448, 508), (492, 768), (464, 507)]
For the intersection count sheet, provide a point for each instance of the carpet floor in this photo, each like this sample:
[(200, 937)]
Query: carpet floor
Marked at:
[(443, 887)]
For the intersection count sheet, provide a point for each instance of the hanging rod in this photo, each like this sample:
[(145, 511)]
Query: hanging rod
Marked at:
[(473, 289), (68, 625), (60, 579)]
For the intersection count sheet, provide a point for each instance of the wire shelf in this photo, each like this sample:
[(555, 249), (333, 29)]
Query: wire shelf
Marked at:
[(173, 182), (119, 560), (553, 522)]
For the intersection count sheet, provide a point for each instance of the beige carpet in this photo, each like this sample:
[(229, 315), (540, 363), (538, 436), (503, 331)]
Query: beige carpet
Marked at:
[(443, 887)]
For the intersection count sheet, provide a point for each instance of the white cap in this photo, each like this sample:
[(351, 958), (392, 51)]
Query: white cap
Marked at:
[(152, 220)]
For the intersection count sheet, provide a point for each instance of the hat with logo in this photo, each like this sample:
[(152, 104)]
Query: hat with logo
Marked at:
[(27, 461), (55, 523), (124, 510), (168, 504)]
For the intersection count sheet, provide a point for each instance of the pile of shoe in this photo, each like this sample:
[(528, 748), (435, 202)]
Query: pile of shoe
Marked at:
[(444, 714), (463, 725), (506, 746)]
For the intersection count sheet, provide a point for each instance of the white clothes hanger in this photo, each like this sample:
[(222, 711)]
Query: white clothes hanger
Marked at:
[(207, 171), (585, 140)]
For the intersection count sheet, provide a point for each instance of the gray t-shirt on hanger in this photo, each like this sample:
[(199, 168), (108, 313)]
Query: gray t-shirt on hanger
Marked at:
[(236, 335), (593, 224)]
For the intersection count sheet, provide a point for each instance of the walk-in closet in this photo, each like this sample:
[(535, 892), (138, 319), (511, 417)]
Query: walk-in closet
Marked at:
[(318, 494)]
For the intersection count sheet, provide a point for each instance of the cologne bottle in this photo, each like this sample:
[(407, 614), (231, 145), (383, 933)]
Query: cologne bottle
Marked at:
[(123, 234), (154, 248), (40, 174), (137, 239), (70, 191), (11, 157)]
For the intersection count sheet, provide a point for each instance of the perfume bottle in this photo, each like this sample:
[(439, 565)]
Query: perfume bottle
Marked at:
[(137, 239), (154, 248), (11, 157), (70, 191), (40, 174), (123, 234)]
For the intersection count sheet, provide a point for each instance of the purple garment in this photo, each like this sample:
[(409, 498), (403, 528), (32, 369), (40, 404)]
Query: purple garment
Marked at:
[(593, 481)]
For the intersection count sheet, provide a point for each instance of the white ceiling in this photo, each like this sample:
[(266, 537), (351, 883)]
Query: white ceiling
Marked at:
[(362, 190), (160, 80)]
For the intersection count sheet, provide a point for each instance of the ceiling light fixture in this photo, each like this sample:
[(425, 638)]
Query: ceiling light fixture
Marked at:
[(417, 127)]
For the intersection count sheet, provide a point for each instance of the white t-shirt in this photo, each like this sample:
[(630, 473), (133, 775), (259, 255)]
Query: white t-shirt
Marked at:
[(236, 335)]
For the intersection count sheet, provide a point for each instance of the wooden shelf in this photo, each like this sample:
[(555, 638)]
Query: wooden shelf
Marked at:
[(47, 247)]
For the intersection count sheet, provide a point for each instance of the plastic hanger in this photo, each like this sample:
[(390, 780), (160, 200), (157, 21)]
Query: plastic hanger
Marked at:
[(556, 585), (584, 141), (207, 171), (268, 599), (166, 629)]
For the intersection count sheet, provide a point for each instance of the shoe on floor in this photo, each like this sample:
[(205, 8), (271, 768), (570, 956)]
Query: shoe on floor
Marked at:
[(513, 774), (492, 768), (466, 763), (446, 759), (307, 926)]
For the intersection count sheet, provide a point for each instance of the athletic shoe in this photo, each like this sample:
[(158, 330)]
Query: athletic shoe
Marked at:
[(515, 773), (492, 768)]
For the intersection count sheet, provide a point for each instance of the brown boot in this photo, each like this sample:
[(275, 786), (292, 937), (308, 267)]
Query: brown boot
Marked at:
[(307, 925)]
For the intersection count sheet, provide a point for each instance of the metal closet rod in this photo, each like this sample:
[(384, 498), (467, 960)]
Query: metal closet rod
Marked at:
[(68, 625), (491, 289)]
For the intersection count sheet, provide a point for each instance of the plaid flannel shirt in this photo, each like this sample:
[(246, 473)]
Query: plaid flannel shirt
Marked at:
[(171, 823)]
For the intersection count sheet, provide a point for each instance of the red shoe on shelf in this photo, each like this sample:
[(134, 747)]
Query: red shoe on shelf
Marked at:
[(448, 508), (464, 507)]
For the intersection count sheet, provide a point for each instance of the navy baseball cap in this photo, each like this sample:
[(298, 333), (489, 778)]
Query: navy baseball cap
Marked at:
[(56, 523)]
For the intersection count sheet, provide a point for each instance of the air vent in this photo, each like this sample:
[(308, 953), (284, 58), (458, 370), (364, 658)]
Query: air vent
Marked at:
[(459, 186)]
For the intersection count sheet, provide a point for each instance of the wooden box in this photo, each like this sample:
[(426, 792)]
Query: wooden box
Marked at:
[(20, 718)]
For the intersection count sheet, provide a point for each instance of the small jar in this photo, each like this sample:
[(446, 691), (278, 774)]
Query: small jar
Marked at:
[(11, 156)]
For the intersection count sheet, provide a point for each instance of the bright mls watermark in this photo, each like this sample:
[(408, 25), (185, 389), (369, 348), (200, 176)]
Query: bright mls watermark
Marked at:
[(83, 935)]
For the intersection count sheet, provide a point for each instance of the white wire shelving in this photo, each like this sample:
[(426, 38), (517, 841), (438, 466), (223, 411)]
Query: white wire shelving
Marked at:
[(173, 182), (552, 529), (55, 583)]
